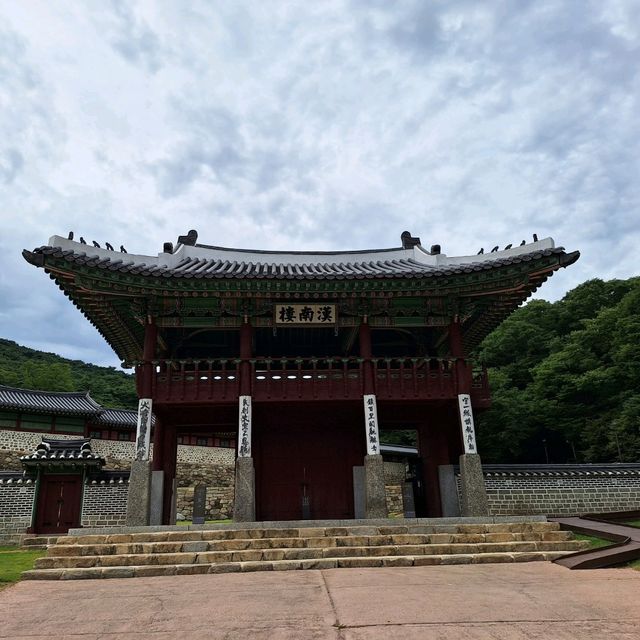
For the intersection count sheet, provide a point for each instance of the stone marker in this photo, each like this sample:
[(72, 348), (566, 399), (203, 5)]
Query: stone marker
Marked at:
[(199, 504), (408, 500)]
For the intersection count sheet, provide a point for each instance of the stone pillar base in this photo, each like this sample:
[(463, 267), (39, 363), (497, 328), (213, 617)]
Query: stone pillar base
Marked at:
[(244, 503), (139, 494), (375, 495), (473, 493)]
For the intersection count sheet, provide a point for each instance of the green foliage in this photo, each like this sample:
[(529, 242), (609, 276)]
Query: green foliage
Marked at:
[(31, 369), (565, 379), (14, 562)]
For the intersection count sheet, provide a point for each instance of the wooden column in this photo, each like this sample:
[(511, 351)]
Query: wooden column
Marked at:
[(139, 495), (375, 494), (456, 348), (434, 452), (366, 353), (246, 351), (473, 494), (244, 504), (169, 458)]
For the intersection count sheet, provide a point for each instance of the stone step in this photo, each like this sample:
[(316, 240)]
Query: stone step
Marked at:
[(296, 543), (280, 565), (314, 553), (527, 528), (38, 542)]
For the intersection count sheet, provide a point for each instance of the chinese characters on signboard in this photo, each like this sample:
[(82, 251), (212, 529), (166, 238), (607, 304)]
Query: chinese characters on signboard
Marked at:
[(316, 314), (244, 441), (466, 421), (371, 422), (143, 432)]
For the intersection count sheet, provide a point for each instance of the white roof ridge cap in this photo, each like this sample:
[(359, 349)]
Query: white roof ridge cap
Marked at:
[(521, 250), (93, 252), (289, 258)]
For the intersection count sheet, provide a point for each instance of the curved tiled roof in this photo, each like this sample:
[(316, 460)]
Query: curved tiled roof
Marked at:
[(50, 402), (202, 261), (118, 418), (63, 451)]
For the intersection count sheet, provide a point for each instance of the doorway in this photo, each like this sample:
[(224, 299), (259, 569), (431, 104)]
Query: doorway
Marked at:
[(59, 503), (304, 463)]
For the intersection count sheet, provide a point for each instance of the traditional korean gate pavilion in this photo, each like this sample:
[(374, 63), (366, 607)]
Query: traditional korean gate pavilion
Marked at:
[(304, 355)]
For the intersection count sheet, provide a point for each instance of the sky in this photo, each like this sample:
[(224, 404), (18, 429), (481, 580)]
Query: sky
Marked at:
[(313, 125)]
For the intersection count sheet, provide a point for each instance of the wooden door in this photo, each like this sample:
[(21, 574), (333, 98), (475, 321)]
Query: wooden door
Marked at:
[(59, 503), (310, 460)]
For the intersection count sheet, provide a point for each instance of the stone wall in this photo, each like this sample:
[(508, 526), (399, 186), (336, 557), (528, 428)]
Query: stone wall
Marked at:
[(219, 480), (394, 475), (16, 506), (118, 454), (557, 490), (104, 504)]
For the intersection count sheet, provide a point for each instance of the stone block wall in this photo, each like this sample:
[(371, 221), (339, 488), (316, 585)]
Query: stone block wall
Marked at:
[(219, 480), (16, 505), (394, 475), (557, 490), (104, 504)]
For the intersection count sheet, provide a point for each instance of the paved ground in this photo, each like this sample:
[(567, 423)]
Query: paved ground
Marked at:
[(467, 602)]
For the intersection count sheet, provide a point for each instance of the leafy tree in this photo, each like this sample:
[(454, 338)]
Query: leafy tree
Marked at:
[(565, 378), (31, 369)]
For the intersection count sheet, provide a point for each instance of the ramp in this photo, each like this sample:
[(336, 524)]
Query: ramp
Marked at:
[(625, 540)]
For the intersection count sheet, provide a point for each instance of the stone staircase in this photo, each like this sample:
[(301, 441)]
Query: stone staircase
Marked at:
[(234, 549), (33, 542)]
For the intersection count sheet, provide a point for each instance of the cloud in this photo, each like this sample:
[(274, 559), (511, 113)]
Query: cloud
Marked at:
[(333, 125)]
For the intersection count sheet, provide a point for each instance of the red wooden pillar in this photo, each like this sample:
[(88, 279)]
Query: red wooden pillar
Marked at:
[(456, 348), (366, 353), (145, 372), (246, 351), (169, 462), (434, 451), (244, 504), (375, 496)]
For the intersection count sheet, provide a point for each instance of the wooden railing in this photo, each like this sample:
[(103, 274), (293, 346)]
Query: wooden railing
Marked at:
[(336, 378)]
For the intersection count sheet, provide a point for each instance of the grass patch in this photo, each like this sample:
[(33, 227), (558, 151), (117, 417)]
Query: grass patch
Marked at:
[(634, 523), (14, 562), (595, 543)]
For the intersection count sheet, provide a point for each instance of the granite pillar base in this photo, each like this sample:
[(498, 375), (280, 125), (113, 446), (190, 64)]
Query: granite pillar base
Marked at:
[(244, 503), (138, 497), (375, 494), (473, 493)]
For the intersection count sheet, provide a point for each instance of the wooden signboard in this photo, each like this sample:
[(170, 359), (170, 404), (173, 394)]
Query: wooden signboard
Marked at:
[(305, 314)]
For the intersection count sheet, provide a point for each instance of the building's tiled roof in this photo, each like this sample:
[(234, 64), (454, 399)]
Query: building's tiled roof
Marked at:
[(63, 451), (560, 470), (50, 402), (116, 418), (108, 477), (202, 261), (16, 477), (70, 404)]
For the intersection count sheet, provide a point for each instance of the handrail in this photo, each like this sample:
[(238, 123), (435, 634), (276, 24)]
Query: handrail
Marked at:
[(326, 377)]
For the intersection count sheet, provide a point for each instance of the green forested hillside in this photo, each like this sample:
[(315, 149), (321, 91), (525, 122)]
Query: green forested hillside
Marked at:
[(565, 379), (31, 369)]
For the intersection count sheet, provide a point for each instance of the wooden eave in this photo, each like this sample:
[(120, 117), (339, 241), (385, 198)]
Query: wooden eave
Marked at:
[(116, 303)]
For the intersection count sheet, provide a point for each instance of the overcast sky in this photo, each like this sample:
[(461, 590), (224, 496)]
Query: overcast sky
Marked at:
[(313, 125)]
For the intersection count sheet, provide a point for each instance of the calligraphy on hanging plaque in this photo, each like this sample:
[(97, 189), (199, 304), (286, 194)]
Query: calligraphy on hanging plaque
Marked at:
[(305, 314)]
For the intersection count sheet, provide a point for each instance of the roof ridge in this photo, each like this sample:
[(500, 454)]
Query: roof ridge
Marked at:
[(83, 394)]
